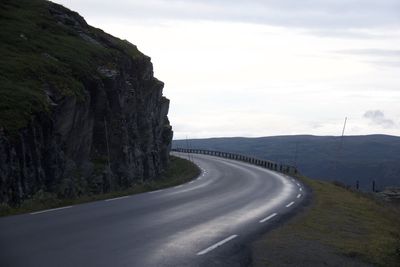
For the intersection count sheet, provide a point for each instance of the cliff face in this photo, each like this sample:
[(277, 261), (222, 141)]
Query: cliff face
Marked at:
[(97, 121)]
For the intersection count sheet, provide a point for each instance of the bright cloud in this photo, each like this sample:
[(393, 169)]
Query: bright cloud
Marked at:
[(254, 68)]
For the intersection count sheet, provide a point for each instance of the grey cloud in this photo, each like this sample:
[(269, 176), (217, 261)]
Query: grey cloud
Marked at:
[(307, 14), (381, 57), (347, 33), (371, 52), (378, 117), (316, 125), (383, 63)]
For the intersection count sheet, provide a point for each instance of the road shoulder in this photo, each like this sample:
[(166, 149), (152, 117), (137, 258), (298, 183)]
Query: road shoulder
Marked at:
[(338, 228)]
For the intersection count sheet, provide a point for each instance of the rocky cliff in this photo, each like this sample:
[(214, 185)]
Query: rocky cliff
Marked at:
[(80, 110)]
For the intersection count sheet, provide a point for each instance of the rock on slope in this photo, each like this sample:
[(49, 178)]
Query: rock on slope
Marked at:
[(67, 89)]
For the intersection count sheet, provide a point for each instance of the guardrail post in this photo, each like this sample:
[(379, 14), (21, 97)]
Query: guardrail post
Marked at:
[(259, 162)]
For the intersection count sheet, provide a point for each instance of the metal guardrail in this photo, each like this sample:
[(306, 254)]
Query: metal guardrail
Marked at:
[(283, 168)]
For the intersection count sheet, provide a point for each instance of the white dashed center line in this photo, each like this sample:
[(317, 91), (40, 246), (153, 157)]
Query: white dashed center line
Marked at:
[(299, 195), (220, 243), (290, 204), (301, 189), (269, 217)]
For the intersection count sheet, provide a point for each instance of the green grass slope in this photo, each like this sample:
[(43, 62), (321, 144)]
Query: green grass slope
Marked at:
[(341, 228), (179, 171), (38, 52)]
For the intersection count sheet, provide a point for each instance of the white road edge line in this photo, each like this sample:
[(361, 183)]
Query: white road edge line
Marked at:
[(116, 198), (156, 191), (299, 195), (178, 186), (191, 182), (220, 243), (290, 204), (43, 211), (269, 217)]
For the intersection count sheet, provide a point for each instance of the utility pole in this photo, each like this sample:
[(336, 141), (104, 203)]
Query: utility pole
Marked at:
[(108, 148), (341, 143)]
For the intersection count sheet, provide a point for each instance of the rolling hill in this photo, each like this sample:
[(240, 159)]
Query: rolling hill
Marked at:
[(354, 158)]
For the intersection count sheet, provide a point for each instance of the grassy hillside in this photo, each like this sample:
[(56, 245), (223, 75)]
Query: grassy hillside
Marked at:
[(37, 52), (178, 172), (341, 228), (363, 158)]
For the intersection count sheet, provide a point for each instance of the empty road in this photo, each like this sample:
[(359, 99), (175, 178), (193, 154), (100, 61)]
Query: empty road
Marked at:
[(201, 223)]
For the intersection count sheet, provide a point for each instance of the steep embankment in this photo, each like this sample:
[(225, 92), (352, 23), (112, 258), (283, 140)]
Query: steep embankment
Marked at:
[(74, 98)]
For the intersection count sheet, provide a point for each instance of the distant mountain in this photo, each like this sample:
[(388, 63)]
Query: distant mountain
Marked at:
[(362, 158)]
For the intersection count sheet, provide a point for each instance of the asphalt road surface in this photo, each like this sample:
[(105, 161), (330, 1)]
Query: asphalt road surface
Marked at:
[(204, 222)]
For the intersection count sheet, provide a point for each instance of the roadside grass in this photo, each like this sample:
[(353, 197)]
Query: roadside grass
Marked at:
[(179, 171), (352, 225)]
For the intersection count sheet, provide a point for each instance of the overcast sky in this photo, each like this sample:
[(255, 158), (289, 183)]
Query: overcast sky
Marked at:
[(260, 68)]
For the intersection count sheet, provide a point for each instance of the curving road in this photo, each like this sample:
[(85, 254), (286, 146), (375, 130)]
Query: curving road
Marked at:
[(201, 223)]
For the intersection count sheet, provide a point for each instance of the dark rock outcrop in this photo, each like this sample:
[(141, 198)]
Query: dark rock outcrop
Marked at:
[(110, 135)]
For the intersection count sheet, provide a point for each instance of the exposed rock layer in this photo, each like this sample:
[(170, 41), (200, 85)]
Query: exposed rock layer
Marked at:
[(111, 134)]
